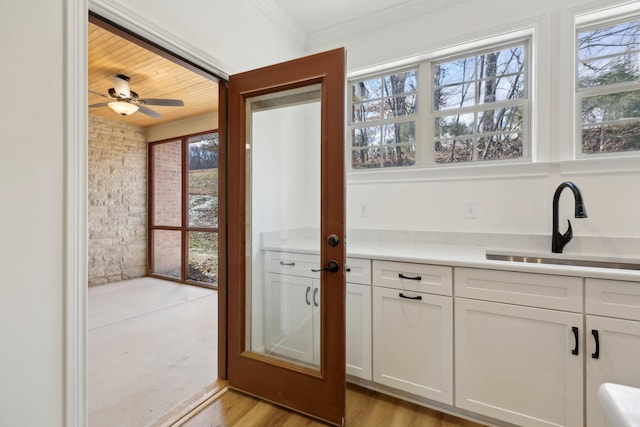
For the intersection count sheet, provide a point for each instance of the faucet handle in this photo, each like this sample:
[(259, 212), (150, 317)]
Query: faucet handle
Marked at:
[(568, 235)]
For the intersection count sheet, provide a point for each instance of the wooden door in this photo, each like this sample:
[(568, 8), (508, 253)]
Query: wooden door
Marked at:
[(286, 193)]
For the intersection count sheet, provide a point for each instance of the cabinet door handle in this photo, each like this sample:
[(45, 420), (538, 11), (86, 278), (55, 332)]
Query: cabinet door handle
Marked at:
[(417, 298), (306, 295), (315, 297), (288, 263), (575, 350), (402, 276), (596, 337)]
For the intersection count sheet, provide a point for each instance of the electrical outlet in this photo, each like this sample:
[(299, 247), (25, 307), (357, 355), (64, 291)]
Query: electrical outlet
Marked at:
[(470, 209), (363, 210)]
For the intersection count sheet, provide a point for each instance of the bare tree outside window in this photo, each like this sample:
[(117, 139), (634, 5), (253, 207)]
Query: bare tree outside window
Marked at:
[(478, 103), (608, 71), (383, 122)]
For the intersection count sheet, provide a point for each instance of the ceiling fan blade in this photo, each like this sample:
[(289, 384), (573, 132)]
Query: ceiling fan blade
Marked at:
[(99, 94), (121, 85), (99, 104), (162, 102), (148, 111)]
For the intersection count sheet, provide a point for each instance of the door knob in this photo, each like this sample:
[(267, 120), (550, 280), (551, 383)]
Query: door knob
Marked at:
[(332, 266)]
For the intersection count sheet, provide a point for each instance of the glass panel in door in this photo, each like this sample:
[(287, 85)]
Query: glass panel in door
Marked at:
[(283, 175)]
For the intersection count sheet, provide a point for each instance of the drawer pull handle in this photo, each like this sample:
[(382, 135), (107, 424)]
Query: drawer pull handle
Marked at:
[(596, 337), (306, 295), (417, 298), (575, 336), (402, 276), (288, 263), (315, 297)]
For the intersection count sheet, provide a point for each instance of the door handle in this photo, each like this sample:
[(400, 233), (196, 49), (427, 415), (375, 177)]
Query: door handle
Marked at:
[(596, 338), (315, 297), (306, 295), (575, 350), (331, 267)]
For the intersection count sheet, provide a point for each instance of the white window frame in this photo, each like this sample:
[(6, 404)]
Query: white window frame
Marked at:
[(591, 21), (525, 103), (381, 122), (425, 162)]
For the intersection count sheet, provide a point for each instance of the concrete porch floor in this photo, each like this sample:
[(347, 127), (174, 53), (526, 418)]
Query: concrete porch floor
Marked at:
[(152, 352)]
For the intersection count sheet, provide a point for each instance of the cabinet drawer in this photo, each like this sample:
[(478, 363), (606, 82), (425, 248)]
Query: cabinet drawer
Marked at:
[(411, 277), (613, 298), (292, 263), (358, 271), (534, 290)]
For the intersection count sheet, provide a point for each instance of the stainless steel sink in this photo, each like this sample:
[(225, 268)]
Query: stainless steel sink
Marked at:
[(571, 260)]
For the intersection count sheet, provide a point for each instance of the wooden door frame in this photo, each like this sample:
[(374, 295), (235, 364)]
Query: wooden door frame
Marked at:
[(250, 372)]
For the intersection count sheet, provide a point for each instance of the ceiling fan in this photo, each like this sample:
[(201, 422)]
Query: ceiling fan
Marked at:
[(124, 101)]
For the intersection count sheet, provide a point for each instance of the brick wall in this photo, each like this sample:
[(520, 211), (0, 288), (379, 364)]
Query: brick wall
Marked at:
[(117, 201), (167, 200)]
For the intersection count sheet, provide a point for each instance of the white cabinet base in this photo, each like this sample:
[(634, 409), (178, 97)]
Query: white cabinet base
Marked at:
[(515, 363), (413, 343)]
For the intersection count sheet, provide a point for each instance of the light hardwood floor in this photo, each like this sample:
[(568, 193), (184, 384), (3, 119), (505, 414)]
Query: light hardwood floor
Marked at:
[(365, 408)]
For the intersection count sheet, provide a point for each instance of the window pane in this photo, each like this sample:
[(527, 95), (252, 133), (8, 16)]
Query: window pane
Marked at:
[(611, 138), (454, 150), (448, 127), (203, 181), (611, 123), (480, 79), (393, 95), (499, 147), (500, 120), (203, 257), (365, 143), (167, 184), (167, 258), (609, 55)]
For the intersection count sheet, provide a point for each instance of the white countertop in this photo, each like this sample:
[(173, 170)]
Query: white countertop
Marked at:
[(460, 256)]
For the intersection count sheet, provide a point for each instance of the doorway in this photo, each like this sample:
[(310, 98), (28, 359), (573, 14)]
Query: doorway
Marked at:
[(146, 337)]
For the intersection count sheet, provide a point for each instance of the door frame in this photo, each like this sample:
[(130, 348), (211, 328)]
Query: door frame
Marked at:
[(75, 113)]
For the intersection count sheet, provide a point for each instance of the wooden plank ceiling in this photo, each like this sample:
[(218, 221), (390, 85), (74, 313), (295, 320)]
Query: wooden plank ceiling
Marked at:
[(151, 77)]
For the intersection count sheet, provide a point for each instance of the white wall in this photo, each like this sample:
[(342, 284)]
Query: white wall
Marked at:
[(510, 203), (32, 176), (235, 32), (31, 213)]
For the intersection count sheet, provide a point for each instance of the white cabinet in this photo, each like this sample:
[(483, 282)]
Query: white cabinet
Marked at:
[(413, 329), (292, 310), (517, 363), (613, 339), (358, 339), (291, 304), (358, 318)]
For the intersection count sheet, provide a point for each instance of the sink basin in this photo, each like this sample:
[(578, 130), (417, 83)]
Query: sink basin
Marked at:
[(620, 403), (561, 259)]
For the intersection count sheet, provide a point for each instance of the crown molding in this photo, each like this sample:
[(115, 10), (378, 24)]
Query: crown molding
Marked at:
[(282, 20)]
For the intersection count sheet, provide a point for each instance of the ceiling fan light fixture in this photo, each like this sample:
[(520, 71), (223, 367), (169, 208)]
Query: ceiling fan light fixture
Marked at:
[(123, 108)]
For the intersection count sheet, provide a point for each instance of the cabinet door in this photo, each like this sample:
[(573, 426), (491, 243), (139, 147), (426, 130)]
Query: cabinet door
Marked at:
[(517, 364), (413, 343), (289, 316), (358, 304), (615, 361)]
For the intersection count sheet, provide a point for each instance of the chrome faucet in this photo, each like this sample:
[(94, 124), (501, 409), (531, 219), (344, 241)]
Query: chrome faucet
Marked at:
[(558, 241)]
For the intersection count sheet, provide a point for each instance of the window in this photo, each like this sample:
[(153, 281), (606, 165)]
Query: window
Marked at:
[(183, 227), (470, 107), (608, 100), (479, 104), (383, 131)]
